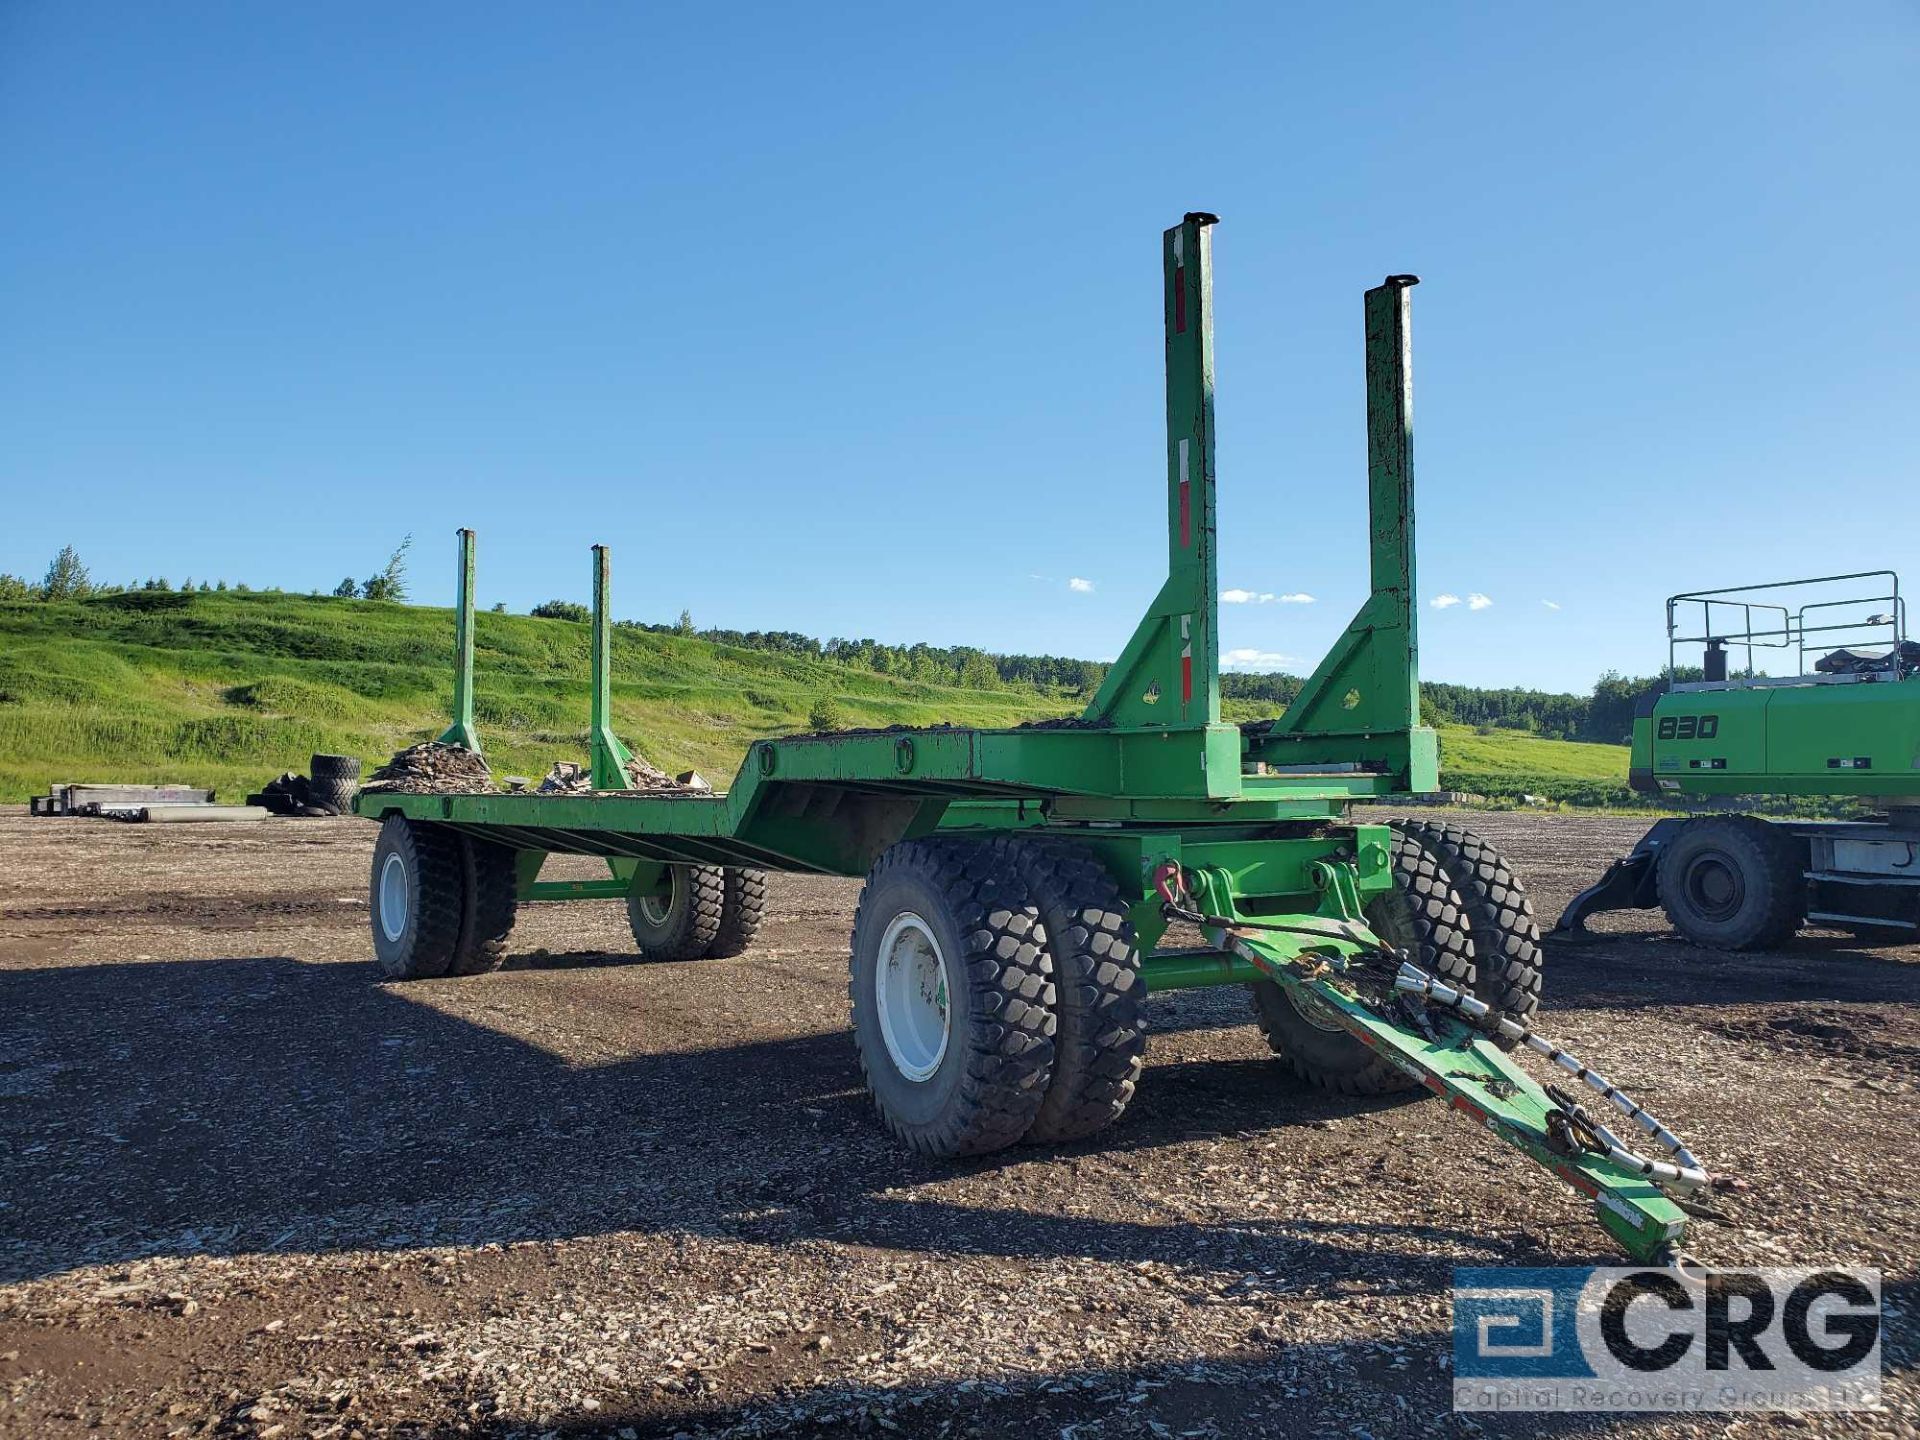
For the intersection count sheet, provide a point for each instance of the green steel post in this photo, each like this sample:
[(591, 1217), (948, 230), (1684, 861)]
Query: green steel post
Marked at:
[(1169, 673), (608, 755), (462, 732), (1396, 647), (1368, 686)]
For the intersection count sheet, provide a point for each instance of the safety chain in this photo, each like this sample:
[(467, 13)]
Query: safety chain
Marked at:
[(1681, 1173), (1684, 1175)]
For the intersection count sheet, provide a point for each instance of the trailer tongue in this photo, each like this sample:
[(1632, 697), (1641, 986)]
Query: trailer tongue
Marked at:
[(1430, 1035), (1020, 882)]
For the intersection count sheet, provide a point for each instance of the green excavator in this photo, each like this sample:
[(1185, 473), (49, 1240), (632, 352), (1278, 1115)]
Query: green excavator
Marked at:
[(1842, 719)]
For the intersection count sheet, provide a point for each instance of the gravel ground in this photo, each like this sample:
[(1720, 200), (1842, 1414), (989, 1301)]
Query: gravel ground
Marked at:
[(247, 1190)]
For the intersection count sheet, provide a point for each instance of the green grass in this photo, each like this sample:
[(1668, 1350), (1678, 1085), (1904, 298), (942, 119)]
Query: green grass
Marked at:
[(1510, 752), (228, 690), (1506, 764)]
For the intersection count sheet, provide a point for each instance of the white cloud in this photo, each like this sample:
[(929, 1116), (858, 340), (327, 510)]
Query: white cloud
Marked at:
[(1237, 596), (1257, 660), (1084, 587), (1444, 602), (1551, 604), (1477, 601)]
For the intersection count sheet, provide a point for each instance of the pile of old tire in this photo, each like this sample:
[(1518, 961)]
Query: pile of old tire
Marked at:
[(328, 790), (333, 781), (287, 794)]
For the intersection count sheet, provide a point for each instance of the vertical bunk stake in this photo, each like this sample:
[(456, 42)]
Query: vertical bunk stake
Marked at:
[(608, 756), (1168, 675), (462, 732), (1390, 499)]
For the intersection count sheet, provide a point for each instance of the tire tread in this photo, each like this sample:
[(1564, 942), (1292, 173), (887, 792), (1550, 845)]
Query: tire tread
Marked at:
[(437, 896), (743, 906), (1784, 910), (486, 921), (1099, 1037), (1509, 964), (697, 921), (333, 767), (1009, 1035), (335, 796)]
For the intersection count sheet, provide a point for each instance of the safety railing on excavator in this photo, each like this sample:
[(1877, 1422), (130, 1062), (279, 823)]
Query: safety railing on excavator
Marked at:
[(1871, 627)]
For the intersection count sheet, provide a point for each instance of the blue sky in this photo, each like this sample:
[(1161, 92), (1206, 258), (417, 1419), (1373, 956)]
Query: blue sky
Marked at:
[(845, 320)]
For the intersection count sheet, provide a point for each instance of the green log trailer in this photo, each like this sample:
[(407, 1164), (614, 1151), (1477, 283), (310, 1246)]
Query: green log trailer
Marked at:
[(1021, 882), (1842, 721)]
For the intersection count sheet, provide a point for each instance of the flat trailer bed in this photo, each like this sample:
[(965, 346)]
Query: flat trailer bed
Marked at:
[(1020, 882)]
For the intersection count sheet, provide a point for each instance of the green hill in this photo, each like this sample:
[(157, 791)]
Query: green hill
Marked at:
[(229, 689)]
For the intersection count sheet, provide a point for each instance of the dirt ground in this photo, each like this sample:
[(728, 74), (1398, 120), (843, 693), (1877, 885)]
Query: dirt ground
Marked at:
[(247, 1190)]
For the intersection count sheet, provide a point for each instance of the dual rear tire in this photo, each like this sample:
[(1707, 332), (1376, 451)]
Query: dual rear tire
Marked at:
[(442, 903), (1457, 909), (995, 984), (995, 991), (708, 912)]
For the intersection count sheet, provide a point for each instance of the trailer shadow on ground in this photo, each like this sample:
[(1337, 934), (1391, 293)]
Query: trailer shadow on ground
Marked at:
[(1271, 1389), (263, 1104)]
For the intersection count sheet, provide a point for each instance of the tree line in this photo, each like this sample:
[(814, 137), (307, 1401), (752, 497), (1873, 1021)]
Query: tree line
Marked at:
[(964, 665), (1605, 715), (68, 578)]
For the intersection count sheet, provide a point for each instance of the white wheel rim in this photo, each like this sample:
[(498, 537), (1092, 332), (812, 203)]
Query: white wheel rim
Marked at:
[(911, 994), (654, 909), (394, 898)]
